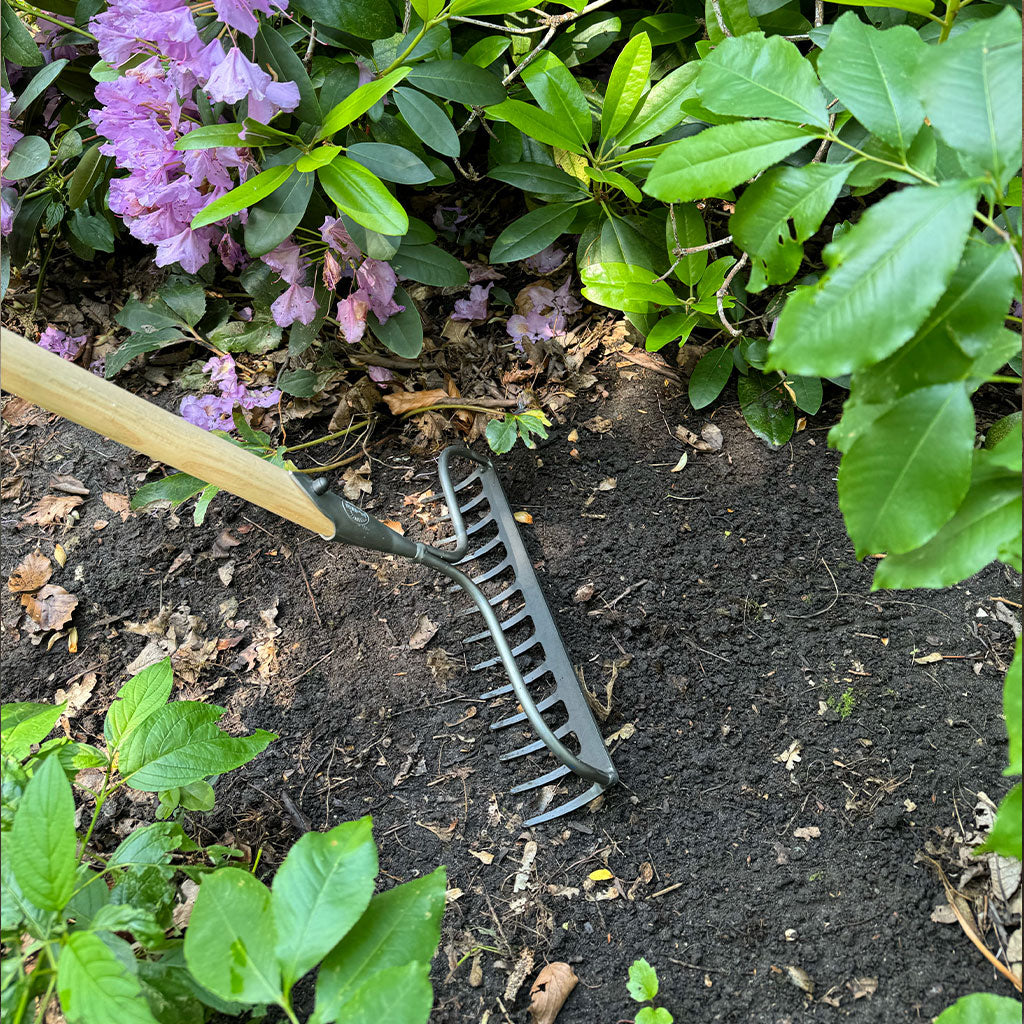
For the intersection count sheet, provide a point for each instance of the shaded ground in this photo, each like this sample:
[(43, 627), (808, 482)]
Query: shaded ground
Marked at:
[(731, 612)]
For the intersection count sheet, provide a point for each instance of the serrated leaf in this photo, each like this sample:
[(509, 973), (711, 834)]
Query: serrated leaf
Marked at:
[(720, 158), (765, 406), (319, 892), (874, 74), (626, 83), (753, 76), (142, 696), (886, 274), (94, 987), (643, 981), (501, 435), (24, 723), (532, 232)]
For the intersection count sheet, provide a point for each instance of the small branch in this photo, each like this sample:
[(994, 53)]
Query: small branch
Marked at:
[(407, 17), (701, 248), (328, 437), (717, 8), (823, 148), (500, 28), (720, 294), (819, 13), (308, 59)]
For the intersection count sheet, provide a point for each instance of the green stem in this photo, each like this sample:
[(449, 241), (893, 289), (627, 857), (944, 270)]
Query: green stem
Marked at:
[(101, 797), (41, 1012), (1002, 380), (947, 23), (878, 160), (452, 405), (36, 13), (412, 46), (328, 437)]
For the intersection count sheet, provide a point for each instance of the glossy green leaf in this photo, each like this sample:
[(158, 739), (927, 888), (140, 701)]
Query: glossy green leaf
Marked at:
[(317, 157), (367, 19), (392, 163), (1005, 836), (95, 987), (185, 297), (273, 219), (532, 232), (662, 108), (245, 195), (643, 981), (428, 9), (85, 176), (211, 136), (27, 158), (41, 846), (139, 698), (363, 196), (988, 520), (479, 8), (458, 81), (501, 437), (428, 121), (403, 332), (319, 892), (25, 723), (536, 124), (766, 406), (19, 46), (36, 85), (669, 328), (229, 942), (874, 74), (970, 88), (754, 76), (720, 158), (558, 94), (616, 180), (808, 393), (709, 377), (484, 52), (542, 179), (734, 14), (905, 475), (91, 229), (653, 1015), (778, 213), (359, 102), (175, 488), (981, 1008), (626, 84), (427, 264), (626, 287), (138, 344), (398, 995), (886, 273)]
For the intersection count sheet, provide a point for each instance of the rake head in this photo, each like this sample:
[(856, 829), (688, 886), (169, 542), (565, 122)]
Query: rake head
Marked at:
[(506, 594)]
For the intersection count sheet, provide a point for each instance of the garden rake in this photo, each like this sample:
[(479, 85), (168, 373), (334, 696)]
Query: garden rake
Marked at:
[(503, 578)]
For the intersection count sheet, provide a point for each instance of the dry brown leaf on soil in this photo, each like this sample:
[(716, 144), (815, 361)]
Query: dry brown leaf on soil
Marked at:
[(609, 483), (483, 856), (401, 402), (713, 435), (50, 509), (929, 659), (51, 607), (357, 482), (861, 987), (598, 424), (118, 504), (423, 634), (20, 413), (549, 991), (690, 438), (523, 517), (10, 487), (442, 833), (584, 592), (68, 484), (393, 524), (810, 832), (32, 572), (77, 694), (791, 755)]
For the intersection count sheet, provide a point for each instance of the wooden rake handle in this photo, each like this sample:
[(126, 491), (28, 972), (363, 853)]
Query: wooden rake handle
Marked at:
[(61, 387)]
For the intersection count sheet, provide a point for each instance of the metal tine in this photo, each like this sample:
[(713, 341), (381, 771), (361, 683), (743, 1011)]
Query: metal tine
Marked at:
[(512, 620), (508, 687), (542, 780), (489, 575), (468, 507), (532, 748), (492, 601), (542, 705), (470, 530), (475, 475), (580, 801), (516, 651), (489, 546)]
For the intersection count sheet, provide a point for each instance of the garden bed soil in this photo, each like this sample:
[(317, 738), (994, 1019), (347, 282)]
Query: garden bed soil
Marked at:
[(738, 627)]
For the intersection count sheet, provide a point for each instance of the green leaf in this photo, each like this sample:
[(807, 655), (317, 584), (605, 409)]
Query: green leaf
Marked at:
[(668, 328), (28, 157), (185, 296), (317, 157), (886, 274), (319, 892), (779, 212), (392, 163), (403, 332), (981, 1008), (25, 723), (181, 744), (905, 475), (245, 195), (720, 158), (662, 107), (400, 925), (616, 180), (273, 51), (501, 437), (987, 520), (970, 88), (751, 76), (175, 488), (85, 176), (558, 94), (19, 46), (398, 995), (914, 6), (121, 917), (535, 124), (42, 839), (626, 84), (484, 52), (363, 196), (367, 19), (709, 377), (212, 136), (1005, 837), (653, 1015), (428, 121), (150, 846), (271, 221), (1012, 711), (229, 942), (626, 287), (257, 336), (359, 102), (874, 74), (141, 697), (456, 80), (478, 8), (35, 86), (427, 264), (428, 9), (92, 230), (765, 406), (532, 232), (540, 178), (643, 981), (95, 987)]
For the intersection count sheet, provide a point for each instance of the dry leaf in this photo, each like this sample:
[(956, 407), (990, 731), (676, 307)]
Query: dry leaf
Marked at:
[(20, 413), (621, 734), (51, 607), (681, 464), (32, 572), (483, 856), (76, 694), (523, 517), (50, 509), (928, 659), (10, 487), (118, 504), (100, 524), (515, 980), (584, 593), (600, 875), (692, 439), (60, 556), (444, 834), (800, 978), (183, 911), (809, 832), (401, 402), (573, 436), (393, 524), (550, 990), (68, 484), (791, 755), (713, 435), (423, 634), (861, 987), (598, 425), (357, 481), (609, 483)]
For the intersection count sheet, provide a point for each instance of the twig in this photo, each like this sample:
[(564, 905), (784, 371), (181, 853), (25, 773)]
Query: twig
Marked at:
[(307, 60), (829, 606), (702, 248), (720, 294), (825, 143), (717, 8), (407, 17), (819, 13), (309, 590), (302, 823)]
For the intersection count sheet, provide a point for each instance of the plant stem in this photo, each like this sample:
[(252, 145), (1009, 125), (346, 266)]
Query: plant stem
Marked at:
[(452, 405), (329, 437), (101, 797), (947, 23), (41, 1012), (412, 46), (42, 270), (878, 160), (36, 13), (1002, 380)]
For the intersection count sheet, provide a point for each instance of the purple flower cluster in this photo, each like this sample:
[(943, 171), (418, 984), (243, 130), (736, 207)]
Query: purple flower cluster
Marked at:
[(54, 340), (475, 307), (213, 411), (8, 137), (146, 110), (547, 317)]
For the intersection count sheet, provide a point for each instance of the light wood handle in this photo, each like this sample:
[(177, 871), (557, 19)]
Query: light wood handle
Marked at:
[(61, 387)]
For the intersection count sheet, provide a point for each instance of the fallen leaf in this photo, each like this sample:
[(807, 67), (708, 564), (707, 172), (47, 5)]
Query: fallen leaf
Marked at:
[(800, 978), (60, 556), (401, 402), (226, 573), (31, 573), (10, 487), (861, 987), (51, 508), (51, 608), (453, 894), (183, 911), (910, 805), (681, 464), (600, 875), (118, 504), (523, 517), (357, 481), (20, 413), (444, 834), (393, 524), (100, 524), (928, 659), (584, 592), (692, 439), (713, 435), (222, 546), (68, 484), (483, 856), (476, 972), (76, 694), (609, 483), (621, 734), (550, 990), (526, 865), (809, 832), (573, 436), (791, 755), (423, 634), (598, 425)]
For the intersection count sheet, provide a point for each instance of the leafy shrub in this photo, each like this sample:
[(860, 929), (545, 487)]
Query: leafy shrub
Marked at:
[(67, 907)]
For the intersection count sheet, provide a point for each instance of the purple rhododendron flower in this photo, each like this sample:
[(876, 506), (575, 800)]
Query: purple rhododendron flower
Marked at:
[(380, 375), (211, 412), (239, 13), (237, 78), (129, 27), (288, 261), (56, 341), (448, 218), (214, 412), (9, 136), (335, 234), (231, 253), (546, 260), (352, 316), (533, 327), (475, 307), (377, 283), (297, 302)]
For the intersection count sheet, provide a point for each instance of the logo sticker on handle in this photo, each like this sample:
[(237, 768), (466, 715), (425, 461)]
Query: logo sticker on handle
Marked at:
[(357, 515)]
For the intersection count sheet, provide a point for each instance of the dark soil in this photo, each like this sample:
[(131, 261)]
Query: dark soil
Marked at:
[(748, 624)]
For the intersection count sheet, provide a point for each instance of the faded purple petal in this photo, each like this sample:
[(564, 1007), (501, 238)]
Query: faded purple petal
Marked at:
[(332, 271), (563, 301), (288, 261), (335, 234), (56, 341), (475, 307), (211, 412), (352, 316), (380, 375), (297, 302), (546, 260), (377, 281)]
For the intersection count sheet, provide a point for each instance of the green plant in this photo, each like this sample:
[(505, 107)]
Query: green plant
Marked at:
[(844, 704), (643, 987)]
